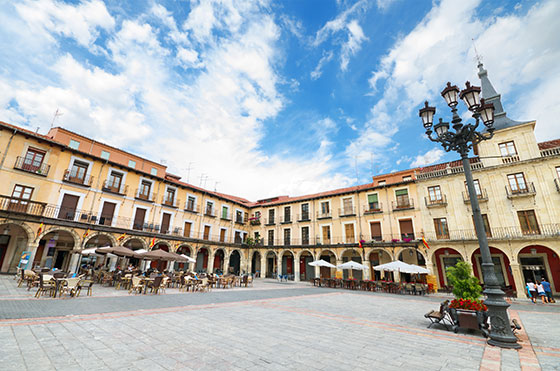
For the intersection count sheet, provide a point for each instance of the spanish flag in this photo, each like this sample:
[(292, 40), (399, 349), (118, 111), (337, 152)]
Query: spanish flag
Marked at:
[(425, 243), (152, 243), (86, 233), (121, 237), (40, 229), (361, 244)]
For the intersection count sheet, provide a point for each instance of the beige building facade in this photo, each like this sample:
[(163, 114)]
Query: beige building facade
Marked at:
[(62, 192)]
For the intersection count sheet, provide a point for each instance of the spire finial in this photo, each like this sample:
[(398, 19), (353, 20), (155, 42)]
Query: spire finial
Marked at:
[(478, 57)]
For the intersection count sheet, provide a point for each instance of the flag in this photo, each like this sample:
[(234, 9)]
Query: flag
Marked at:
[(152, 243), (86, 233), (361, 244), (121, 237), (425, 243), (40, 229)]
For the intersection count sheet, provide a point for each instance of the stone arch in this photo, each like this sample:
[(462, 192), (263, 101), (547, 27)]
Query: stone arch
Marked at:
[(382, 250), (235, 262), (300, 253), (545, 259), (27, 229), (180, 249), (504, 274), (20, 237), (202, 255), (129, 239), (306, 272), (413, 259), (355, 255), (163, 242), (348, 249), (440, 255), (287, 262), (94, 235), (64, 229), (329, 256), (375, 257), (271, 263), (327, 252), (63, 241), (256, 258)]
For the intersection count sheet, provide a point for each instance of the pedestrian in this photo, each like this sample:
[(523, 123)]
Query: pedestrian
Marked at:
[(542, 293), (548, 291), (532, 290)]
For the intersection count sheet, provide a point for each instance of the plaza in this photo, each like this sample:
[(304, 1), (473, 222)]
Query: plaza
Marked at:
[(269, 326)]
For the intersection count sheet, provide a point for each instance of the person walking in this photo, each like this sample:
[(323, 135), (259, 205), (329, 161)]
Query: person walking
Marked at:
[(532, 289), (547, 290), (542, 293)]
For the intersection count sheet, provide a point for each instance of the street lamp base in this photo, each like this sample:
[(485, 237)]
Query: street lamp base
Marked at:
[(501, 334), (503, 344)]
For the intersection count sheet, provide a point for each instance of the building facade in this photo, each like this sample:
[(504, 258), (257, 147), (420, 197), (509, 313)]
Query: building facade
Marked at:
[(62, 192)]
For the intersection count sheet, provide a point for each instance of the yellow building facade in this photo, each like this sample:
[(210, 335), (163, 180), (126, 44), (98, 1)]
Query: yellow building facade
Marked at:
[(61, 193)]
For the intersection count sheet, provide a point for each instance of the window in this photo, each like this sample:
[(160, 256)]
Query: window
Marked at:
[(407, 230), (132, 164), (517, 183), (191, 203), (209, 208), (507, 149), (238, 216), (442, 231), (375, 228), (74, 144), (305, 235), (325, 208), (271, 237), (237, 237), (139, 218), (114, 182), (287, 214), (33, 160), (225, 212), (223, 235), (144, 191), (381, 182), (187, 230), (270, 216), (434, 193), (407, 178), (169, 197), (347, 206), (373, 202), (304, 211), (402, 198), (153, 171), (78, 171), (528, 222), (206, 235), (326, 229), (20, 195), (105, 155), (349, 233), (486, 225), (558, 172), (287, 236)]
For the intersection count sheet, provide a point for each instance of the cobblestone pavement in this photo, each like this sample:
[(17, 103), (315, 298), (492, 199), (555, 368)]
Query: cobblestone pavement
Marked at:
[(269, 326)]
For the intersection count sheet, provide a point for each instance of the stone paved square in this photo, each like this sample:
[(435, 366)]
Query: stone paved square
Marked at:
[(270, 326)]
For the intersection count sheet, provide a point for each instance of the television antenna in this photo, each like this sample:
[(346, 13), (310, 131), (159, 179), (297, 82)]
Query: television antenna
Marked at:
[(56, 114)]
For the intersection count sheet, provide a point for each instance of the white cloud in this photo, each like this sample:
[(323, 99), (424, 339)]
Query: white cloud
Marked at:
[(318, 71), (188, 58), (352, 46), (78, 22), (339, 22), (428, 158), (384, 4)]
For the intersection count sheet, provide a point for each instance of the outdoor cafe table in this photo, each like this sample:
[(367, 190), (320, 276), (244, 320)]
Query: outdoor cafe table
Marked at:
[(57, 283)]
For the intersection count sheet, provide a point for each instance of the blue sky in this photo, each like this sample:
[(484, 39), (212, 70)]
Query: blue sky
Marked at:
[(264, 98)]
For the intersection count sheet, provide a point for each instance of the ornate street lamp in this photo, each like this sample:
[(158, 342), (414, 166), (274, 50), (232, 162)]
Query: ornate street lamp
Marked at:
[(461, 139)]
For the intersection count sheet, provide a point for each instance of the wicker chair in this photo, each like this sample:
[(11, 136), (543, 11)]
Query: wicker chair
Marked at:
[(88, 284), (71, 286), (45, 286)]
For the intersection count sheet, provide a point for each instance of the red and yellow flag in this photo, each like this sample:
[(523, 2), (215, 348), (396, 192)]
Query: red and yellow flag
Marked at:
[(425, 243), (40, 229), (121, 237), (152, 243), (86, 233)]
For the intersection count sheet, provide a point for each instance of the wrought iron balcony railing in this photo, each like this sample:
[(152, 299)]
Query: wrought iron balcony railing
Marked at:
[(324, 215), (75, 178), (528, 190), (347, 211), (405, 204), (373, 208), (143, 194), (171, 202), (31, 167), (437, 202), (482, 196), (111, 187)]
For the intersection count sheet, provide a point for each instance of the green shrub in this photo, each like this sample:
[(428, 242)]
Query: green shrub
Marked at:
[(465, 285)]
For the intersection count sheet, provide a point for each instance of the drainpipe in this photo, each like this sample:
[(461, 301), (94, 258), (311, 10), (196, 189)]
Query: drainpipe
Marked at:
[(7, 148)]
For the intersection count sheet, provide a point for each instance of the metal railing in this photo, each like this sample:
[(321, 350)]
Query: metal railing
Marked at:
[(442, 201), (482, 197), (403, 204), (142, 195), (347, 211), (171, 202), (373, 208), (109, 186), (304, 217), (269, 221), (210, 211), (322, 215), (286, 219), (529, 190), (454, 167), (191, 208), (41, 169), (225, 216), (239, 219), (73, 177)]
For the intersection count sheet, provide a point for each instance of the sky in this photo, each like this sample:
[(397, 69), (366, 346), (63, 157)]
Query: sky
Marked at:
[(265, 98)]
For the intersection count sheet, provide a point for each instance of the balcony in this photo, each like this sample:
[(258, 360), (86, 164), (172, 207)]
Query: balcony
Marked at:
[(144, 195), (18, 205), (304, 217), (528, 191), (510, 159), (239, 220), (110, 187), (347, 211), (482, 196), (170, 202), (191, 208), (74, 178), (210, 212), (324, 215), (441, 202), (287, 219), (269, 221), (406, 204), (226, 216), (373, 208), (255, 221), (40, 169), (557, 184)]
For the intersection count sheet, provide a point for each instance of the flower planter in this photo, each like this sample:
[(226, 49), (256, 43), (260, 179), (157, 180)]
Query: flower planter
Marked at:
[(469, 320)]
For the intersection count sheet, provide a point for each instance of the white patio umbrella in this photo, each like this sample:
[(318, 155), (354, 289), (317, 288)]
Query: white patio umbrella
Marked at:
[(352, 265), (189, 259), (90, 251), (396, 266), (322, 263), (419, 269)]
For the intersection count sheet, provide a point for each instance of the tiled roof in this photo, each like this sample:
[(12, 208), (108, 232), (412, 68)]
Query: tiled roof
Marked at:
[(550, 144), (436, 167)]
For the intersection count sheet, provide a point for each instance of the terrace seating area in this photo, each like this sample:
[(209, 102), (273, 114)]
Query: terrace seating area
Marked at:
[(411, 288)]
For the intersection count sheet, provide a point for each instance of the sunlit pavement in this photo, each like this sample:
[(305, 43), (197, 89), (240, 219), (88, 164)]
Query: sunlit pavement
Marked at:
[(269, 326)]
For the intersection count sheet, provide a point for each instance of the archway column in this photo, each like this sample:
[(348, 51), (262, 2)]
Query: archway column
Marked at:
[(317, 272), (296, 268), (75, 263), (518, 279), (264, 267), (33, 248), (226, 263), (279, 264), (210, 268)]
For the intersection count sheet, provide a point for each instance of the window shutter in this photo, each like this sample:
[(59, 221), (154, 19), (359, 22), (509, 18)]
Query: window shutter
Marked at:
[(372, 198), (401, 192)]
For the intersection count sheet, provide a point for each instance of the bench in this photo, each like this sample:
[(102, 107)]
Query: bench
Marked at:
[(442, 316)]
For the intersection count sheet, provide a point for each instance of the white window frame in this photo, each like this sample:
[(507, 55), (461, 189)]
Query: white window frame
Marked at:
[(234, 217), (222, 209), (321, 231), (380, 227), (192, 227), (81, 199), (321, 207), (171, 219), (117, 207), (226, 236), (356, 237), (195, 200), (209, 233), (74, 158), (146, 216), (342, 201), (167, 186), (151, 187), (413, 226), (123, 181)]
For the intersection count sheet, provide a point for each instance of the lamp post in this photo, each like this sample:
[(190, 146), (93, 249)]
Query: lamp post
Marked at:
[(461, 139)]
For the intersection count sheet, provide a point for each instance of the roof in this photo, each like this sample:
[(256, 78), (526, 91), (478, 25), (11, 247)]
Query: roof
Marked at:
[(549, 144), (444, 165)]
